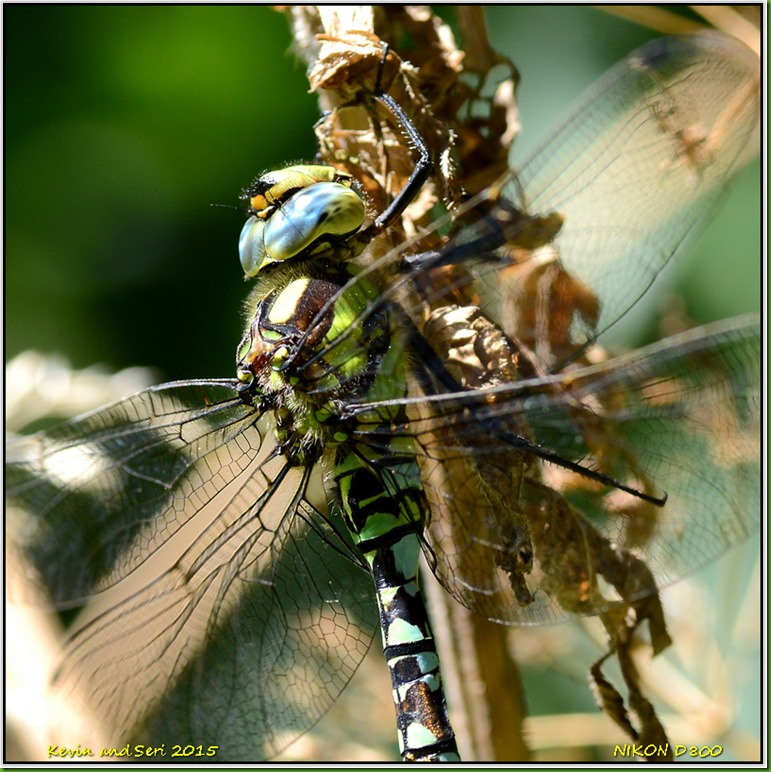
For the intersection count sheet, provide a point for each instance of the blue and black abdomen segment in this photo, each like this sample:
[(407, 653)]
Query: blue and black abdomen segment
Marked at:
[(385, 524)]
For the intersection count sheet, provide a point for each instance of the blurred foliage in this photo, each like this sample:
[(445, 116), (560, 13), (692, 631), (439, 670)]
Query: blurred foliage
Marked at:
[(129, 127), (124, 125)]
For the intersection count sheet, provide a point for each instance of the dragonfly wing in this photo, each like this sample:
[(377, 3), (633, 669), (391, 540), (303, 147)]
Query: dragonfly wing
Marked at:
[(679, 419), (636, 169), (557, 496), (93, 498), (227, 612)]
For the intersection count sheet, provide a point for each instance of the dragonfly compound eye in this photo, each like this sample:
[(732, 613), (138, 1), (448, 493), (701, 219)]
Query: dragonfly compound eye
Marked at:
[(325, 210), (251, 246)]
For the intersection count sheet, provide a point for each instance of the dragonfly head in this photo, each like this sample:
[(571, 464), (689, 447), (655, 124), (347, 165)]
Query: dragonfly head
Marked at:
[(295, 212)]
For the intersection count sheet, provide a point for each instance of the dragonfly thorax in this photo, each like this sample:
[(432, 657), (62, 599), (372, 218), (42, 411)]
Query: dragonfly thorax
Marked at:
[(302, 355)]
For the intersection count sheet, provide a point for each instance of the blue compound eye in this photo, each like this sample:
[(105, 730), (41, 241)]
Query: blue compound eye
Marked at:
[(251, 246), (325, 209)]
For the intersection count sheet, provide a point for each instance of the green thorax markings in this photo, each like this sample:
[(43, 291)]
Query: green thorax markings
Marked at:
[(303, 350), (314, 337)]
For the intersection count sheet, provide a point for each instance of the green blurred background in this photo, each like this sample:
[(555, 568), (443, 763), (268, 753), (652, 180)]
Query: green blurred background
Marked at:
[(130, 131), (124, 125)]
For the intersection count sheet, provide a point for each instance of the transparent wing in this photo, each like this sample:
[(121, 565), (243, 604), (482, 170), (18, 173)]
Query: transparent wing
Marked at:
[(558, 496), (224, 610), (595, 215), (586, 227), (634, 171), (108, 480)]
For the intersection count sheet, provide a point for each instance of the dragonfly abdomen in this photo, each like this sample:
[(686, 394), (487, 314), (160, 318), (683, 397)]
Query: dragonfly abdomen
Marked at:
[(386, 527)]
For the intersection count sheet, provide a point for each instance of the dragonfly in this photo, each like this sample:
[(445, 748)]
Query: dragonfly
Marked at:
[(236, 543)]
